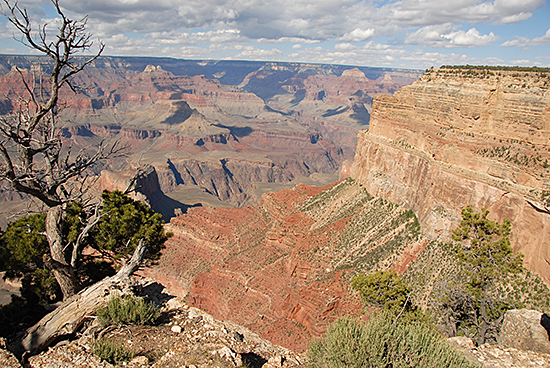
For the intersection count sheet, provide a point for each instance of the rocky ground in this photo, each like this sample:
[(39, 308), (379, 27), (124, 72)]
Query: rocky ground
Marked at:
[(495, 356), (183, 337), (188, 337)]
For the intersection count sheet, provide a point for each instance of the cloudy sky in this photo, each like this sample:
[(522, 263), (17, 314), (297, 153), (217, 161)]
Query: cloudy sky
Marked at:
[(407, 33)]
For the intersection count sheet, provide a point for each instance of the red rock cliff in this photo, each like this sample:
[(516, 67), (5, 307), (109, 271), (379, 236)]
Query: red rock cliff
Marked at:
[(283, 268), (460, 137)]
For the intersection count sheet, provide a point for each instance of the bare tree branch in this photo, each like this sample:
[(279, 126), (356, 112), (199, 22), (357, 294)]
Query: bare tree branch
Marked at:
[(33, 159)]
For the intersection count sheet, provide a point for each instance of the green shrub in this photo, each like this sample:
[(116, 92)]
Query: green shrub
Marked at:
[(379, 343), (383, 289), (130, 309), (112, 352)]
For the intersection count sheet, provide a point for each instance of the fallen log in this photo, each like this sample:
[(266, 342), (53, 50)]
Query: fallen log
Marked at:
[(69, 317)]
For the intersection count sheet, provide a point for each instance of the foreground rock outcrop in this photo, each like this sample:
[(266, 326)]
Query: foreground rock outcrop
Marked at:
[(522, 329), (184, 337), (495, 356), (465, 136)]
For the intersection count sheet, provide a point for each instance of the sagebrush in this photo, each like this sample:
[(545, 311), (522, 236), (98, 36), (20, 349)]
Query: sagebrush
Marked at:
[(112, 351), (129, 309), (381, 343)]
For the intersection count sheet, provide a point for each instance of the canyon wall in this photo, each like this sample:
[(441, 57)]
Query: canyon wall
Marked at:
[(283, 268), (465, 136), (221, 126)]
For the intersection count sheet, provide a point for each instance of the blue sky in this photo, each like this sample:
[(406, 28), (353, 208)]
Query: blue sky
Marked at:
[(407, 33)]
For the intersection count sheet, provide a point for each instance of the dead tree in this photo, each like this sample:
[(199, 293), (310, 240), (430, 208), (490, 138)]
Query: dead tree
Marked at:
[(33, 158), (68, 318)]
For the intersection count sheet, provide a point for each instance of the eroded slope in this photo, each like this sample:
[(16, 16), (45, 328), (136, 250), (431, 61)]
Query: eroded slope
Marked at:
[(222, 127), (283, 268), (463, 136)]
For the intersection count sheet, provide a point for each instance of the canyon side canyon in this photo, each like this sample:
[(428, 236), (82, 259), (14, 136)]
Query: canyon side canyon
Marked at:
[(217, 132), (456, 137), (221, 137)]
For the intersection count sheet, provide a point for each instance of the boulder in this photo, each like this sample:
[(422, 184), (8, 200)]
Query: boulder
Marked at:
[(462, 342), (522, 330)]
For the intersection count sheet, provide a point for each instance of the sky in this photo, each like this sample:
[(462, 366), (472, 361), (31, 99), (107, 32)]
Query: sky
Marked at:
[(403, 34)]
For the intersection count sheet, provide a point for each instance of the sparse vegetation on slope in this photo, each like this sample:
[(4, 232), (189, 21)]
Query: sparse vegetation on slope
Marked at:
[(111, 351), (489, 264), (387, 291), (381, 343), (470, 284)]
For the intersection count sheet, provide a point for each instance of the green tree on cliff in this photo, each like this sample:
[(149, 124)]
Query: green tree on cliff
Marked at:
[(33, 157), (489, 264), (123, 222), (389, 292)]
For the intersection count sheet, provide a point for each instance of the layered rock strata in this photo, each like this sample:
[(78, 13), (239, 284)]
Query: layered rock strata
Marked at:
[(463, 136), (283, 268), (212, 124)]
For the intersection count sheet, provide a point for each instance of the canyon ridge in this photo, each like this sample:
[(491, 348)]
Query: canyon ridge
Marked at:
[(216, 132), (393, 164), (458, 136)]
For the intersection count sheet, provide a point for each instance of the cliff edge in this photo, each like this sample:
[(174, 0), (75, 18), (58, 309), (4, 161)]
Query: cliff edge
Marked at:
[(465, 136)]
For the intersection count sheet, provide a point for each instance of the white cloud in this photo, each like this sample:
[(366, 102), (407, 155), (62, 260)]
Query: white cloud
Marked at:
[(297, 21), (253, 53), (522, 62), (357, 35), (515, 18), (197, 38), (525, 42), (287, 39), (445, 36), (430, 12), (229, 28), (385, 55)]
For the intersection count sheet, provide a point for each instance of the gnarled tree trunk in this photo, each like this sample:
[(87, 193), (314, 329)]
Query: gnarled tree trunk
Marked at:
[(59, 259), (70, 316)]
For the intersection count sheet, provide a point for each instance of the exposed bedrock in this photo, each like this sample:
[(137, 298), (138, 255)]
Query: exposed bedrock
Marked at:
[(454, 139), (214, 121), (283, 268)]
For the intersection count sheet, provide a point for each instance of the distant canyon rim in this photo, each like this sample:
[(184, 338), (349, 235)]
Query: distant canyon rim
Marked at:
[(217, 132)]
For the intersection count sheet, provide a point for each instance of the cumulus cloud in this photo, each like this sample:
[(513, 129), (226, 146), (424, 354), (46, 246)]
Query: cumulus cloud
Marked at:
[(287, 39), (525, 42), (522, 62), (385, 55), (445, 36), (289, 20), (514, 18), (430, 12), (312, 31), (197, 38), (357, 35), (253, 53)]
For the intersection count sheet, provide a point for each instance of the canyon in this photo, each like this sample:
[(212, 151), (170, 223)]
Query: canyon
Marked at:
[(283, 268), (461, 137), (221, 130), (394, 159), (456, 137)]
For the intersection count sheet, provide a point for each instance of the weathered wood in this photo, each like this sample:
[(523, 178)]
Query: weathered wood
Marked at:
[(69, 317), (56, 261)]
